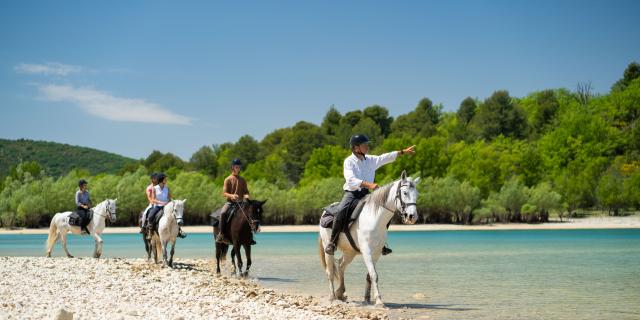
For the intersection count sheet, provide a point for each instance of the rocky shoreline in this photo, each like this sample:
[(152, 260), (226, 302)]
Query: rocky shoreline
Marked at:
[(87, 288)]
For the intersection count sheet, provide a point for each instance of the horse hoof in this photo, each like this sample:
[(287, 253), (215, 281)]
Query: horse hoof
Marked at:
[(69, 256), (380, 305), (48, 255)]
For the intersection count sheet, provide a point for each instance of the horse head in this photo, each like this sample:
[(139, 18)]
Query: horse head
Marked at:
[(111, 208), (406, 198), (256, 214), (178, 211)]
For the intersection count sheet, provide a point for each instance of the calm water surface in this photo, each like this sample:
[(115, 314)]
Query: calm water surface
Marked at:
[(538, 274)]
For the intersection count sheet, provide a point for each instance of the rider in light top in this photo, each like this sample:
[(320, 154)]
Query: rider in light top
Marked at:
[(150, 193), (359, 173), (161, 196)]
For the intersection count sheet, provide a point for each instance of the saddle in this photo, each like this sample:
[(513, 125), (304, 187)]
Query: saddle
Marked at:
[(75, 219), (330, 211), (215, 216)]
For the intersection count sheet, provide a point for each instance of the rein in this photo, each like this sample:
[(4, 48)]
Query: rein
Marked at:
[(403, 205), (250, 221)]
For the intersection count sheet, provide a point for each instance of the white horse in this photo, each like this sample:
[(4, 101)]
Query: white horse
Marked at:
[(168, 229), (369, 232), (60, 226)]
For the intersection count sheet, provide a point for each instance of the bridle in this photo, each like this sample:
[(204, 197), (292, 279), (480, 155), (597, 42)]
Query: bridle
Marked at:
[(173, 211), (251, 221), (108, 210), (403, 205)]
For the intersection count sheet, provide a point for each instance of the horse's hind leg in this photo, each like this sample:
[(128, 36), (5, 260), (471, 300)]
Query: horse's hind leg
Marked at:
[(342, 265), (233, 259), (52, 244), (331, 274), (63, 239)]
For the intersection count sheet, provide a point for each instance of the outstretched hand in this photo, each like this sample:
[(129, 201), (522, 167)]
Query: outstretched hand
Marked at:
[(410, 150)]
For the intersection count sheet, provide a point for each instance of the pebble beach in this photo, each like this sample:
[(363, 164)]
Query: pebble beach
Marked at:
[(87, 288)]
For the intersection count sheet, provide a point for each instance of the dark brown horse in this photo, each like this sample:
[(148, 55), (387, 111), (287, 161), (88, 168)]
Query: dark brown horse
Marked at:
[(245, 220)]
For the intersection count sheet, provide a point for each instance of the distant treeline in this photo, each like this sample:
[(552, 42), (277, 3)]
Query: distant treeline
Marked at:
[(501, 159)]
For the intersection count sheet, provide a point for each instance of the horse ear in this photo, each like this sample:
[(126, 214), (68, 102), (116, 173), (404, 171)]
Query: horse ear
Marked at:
[(116, 199), (416, 180), (185, 200), (403, 176)]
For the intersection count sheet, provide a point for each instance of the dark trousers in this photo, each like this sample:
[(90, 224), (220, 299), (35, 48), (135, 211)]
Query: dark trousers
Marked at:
[(153, 212), (347, 204), (84, 217), (224, 216)]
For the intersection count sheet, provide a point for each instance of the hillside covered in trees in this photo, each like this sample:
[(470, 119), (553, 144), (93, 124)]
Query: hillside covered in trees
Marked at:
[(58, 159), (497, 159)]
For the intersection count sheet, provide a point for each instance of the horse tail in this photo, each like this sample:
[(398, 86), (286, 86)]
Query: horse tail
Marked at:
[(53, 233), (323, 262)]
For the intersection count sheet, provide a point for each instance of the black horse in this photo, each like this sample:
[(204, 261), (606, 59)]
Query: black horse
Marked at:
[(245, 220)]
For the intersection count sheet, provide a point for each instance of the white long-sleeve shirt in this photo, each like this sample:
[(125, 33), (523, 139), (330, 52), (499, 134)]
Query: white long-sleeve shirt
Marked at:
[(356, 170)]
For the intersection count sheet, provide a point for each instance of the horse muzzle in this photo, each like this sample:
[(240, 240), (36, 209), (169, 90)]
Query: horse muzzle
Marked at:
[(180, 222)]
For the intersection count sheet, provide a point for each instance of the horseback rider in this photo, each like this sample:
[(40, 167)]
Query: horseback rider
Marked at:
[(150, 193), (359, 173), (234, 190), (161, 196), (83, 203)]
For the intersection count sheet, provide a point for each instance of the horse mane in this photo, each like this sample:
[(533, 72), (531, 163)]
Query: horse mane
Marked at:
[(379, 197)]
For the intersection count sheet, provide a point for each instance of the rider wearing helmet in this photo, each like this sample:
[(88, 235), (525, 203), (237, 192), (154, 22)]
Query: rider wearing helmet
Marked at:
[(83, 203), (234, 190), (359, 174), (161, 196)]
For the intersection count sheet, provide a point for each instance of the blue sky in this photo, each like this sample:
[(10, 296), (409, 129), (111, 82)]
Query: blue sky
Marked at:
[(133, 76)]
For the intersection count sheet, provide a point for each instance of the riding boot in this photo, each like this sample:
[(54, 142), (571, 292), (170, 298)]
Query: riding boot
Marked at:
[(181, 233), (220, 237), (335, 233)]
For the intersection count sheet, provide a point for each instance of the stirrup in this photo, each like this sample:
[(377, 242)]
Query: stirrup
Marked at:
[(330, 249), (386, 250), (253, 242)]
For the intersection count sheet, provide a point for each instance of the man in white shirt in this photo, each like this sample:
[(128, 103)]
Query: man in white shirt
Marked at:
[(359, 173)]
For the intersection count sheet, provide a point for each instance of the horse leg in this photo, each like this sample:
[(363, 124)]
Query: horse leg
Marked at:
[(236, 248), (331, 274), (52, 243), (164, 244), (233, 259), (247, 253), (63, 239), (342, 266), (173, 249), (367, 291), (97, 251), (370, 263), (147, 247)]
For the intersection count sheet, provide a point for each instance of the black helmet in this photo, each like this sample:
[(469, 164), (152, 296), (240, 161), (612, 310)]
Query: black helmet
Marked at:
[(82, 182), (358, 139), (236, 162)]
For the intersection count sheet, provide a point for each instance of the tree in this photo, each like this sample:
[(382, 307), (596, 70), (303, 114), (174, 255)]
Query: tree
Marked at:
[(631, 73), (466, 111), (204, 160), (420, 122), (331, 122), (325, 162), (543, 200), (499, 115), (379, 115), (298, 146)]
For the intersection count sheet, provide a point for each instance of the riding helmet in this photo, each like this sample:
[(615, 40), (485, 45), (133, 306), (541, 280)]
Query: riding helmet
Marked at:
[(358, 139), (236, 162)]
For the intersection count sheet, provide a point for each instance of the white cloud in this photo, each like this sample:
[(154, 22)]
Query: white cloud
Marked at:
[(50, 68), (104, 105)]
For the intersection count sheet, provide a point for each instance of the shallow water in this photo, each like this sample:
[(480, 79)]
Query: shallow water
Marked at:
[(538, 274)]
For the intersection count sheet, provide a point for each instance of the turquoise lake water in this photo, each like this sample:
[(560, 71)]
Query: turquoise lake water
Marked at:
[(537, 274)]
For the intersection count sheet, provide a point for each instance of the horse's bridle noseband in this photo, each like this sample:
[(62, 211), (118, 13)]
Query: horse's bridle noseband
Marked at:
[(403, 205), (107, 209)]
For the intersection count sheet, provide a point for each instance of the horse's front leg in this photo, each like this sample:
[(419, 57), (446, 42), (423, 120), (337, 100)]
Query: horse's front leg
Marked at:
[(370, 263), (236, 248), (233, 259), (63, 239), (164, 244), (247, 253), (97, 251), (173, 250), (367, 291), (342, 266)]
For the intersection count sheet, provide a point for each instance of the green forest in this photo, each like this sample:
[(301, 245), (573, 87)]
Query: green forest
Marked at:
[(497, 159)]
